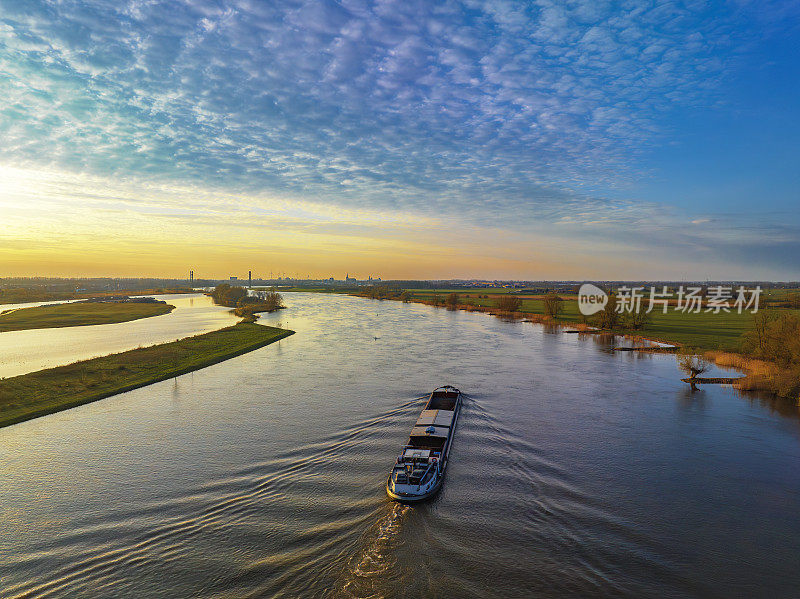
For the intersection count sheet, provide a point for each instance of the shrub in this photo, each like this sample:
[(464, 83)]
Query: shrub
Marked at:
[(509, 303)]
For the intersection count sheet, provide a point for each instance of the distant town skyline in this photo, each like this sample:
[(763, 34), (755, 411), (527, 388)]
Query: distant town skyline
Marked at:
[(475, 139)]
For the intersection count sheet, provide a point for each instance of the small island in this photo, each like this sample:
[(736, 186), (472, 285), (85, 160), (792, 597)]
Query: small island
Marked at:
[(83, 313), (244, 305)]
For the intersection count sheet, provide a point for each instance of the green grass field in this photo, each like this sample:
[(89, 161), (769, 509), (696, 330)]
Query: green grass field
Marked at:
[(705, 330), (47, 391), (78, 314)]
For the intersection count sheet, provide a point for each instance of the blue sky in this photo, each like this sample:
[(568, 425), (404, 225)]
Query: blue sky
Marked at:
[(584, 139)]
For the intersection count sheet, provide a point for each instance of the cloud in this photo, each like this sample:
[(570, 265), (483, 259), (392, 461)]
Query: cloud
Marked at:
[(411, 97), (496, 113)]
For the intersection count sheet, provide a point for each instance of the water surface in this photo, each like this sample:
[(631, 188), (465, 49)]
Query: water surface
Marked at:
[(35, 349), (576, 471)]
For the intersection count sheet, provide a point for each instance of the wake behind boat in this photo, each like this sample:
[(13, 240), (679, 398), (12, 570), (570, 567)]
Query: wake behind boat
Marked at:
[(419, 470)]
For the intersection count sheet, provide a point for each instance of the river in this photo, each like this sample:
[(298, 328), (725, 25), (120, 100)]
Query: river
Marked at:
[(576, 471), (34, 349)]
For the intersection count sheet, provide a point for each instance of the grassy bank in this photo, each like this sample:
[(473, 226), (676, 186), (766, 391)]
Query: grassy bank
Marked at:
[(704, 331), (250, 310), (47, 391), (78, 314)]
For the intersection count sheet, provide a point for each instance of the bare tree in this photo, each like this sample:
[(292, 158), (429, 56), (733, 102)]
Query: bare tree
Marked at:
[(452, 301), (608, 317), (272, 300), (638, 318), (693, 365), (757, 339), (553, 305), (509, 303)]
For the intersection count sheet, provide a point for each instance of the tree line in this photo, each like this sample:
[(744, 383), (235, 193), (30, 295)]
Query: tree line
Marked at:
[(775, 337), (246, 305)]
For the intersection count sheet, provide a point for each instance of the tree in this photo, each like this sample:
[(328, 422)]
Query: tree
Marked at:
[(452, 301), (509, 303), (405, 296), (638, 318), (262, 301), (227, 295), (755, 340), (775, 338), (271, 299), (553, 305), (218, 292), (693, 365), (608, 317)]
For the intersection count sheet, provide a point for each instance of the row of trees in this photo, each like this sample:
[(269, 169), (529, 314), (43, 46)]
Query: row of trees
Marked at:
[(610, 319), (506, 303), (384, 292), (553, 304)]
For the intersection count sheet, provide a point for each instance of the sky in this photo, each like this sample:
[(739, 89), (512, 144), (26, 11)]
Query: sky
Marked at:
[(551, 139)]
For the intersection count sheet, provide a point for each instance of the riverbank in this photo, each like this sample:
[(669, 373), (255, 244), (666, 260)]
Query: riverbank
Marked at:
[(717, 337), (79, 314), (704, 330), (701, 331), (251, 311), (47, 391)]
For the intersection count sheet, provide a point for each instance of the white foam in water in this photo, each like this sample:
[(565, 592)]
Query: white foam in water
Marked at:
[(367, 568)]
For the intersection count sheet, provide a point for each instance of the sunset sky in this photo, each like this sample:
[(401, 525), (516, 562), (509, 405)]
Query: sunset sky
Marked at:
[(403, 139)]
